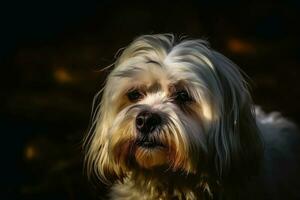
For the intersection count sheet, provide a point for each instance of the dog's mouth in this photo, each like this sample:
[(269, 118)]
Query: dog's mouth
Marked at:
[(150, 152), (149, 144)]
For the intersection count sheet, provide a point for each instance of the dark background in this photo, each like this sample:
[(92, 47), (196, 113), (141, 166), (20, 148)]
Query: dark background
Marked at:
[(51, 53)]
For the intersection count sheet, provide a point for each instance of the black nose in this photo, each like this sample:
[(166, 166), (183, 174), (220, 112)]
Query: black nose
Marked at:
[(147, 121)]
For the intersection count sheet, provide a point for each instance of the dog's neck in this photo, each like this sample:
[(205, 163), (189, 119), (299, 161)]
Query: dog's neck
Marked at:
[(165, 184)]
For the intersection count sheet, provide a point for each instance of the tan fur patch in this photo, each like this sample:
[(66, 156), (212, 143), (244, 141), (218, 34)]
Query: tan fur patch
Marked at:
[(149, 158)]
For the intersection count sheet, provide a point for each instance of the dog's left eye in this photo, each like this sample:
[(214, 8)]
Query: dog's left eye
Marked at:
[(183, 96), (134, 95)]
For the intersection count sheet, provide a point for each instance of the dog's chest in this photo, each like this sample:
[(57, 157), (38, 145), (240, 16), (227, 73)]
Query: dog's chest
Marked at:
[(130, 190)]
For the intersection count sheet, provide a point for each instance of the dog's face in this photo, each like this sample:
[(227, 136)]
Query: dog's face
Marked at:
[(177, 107), (159, 117)]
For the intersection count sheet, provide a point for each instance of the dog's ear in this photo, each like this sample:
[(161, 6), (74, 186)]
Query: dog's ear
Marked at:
[(235, 145), (98, 162)]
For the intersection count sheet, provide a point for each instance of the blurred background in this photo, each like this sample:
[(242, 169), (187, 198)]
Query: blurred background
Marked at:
[(51, 53)]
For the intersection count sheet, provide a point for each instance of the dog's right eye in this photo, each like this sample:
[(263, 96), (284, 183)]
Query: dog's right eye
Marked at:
[(183, 97), (134, 95)]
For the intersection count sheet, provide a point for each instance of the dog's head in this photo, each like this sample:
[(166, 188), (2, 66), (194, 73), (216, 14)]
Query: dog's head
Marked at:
[(177, 106)]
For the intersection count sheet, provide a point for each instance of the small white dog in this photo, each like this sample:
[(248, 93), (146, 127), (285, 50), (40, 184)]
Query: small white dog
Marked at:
[(176, 121)]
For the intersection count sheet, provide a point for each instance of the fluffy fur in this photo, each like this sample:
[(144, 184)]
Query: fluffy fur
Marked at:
[(213, 144)]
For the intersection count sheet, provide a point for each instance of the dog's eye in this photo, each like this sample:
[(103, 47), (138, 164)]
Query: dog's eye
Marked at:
[(182, 96), (134, 95)]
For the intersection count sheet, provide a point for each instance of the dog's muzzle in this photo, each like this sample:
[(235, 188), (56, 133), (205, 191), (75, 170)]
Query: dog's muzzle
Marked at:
[(146, 122)]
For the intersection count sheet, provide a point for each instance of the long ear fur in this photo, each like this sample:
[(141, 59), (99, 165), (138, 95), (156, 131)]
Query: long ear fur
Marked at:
[(98, 161), (235, 143)]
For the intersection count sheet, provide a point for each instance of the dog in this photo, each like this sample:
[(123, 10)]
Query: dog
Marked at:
[(176, 121)]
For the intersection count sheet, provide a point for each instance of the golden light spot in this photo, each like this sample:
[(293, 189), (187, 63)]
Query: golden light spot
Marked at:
[(30, 152), (206, 112), (240, 46), (61, 75)]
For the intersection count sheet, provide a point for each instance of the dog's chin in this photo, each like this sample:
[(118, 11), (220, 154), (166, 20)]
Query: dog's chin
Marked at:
[(156, 154), (150, 154), (149, 158)]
